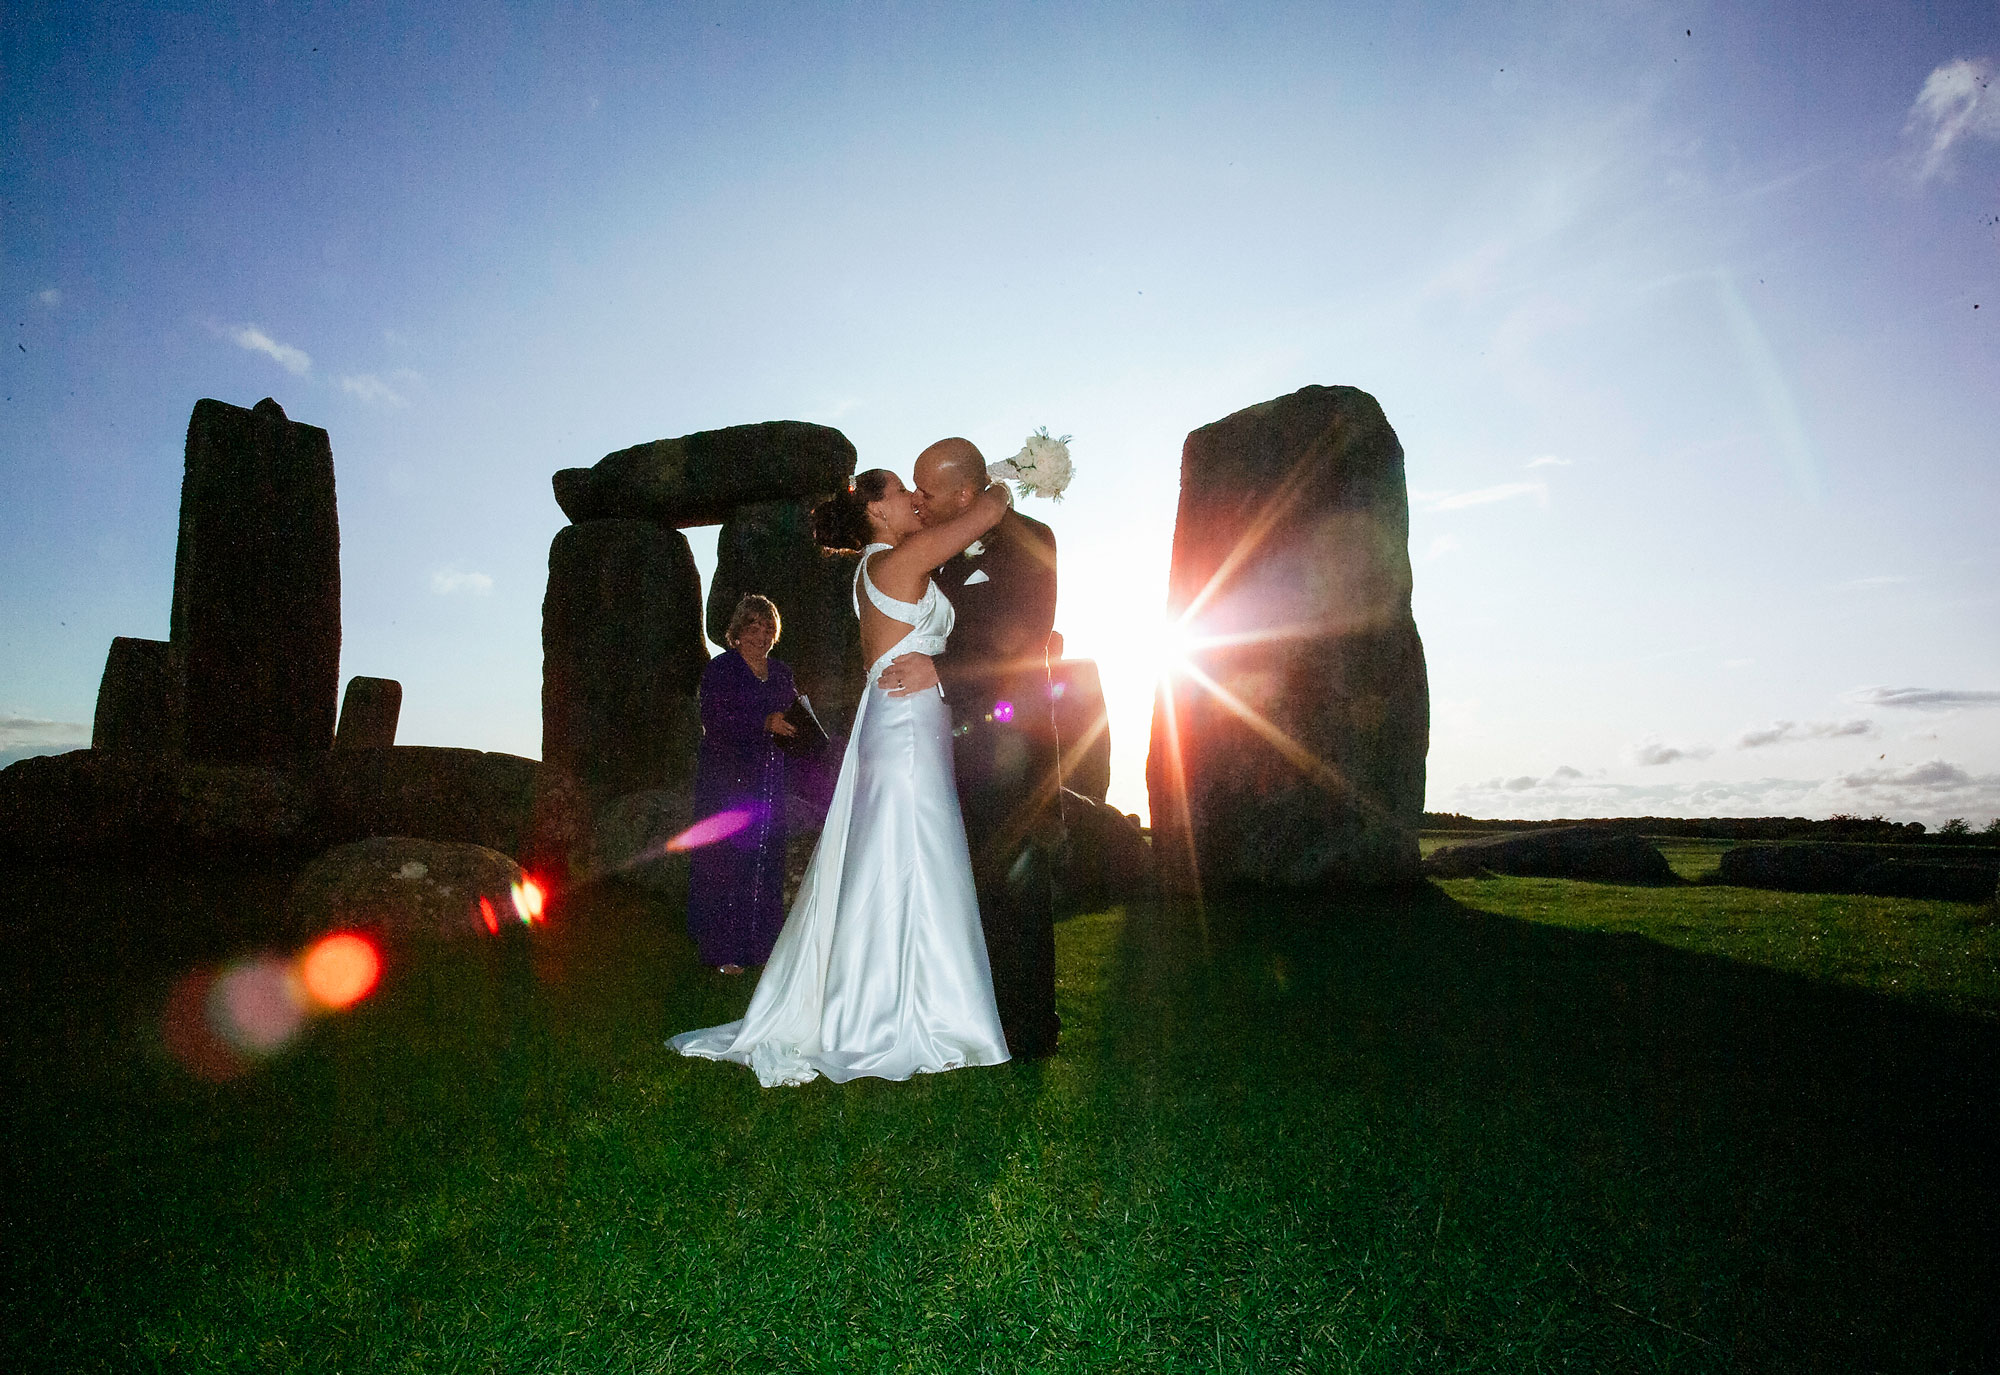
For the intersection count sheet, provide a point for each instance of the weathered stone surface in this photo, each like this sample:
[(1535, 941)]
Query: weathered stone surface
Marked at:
[(406, 888), (1585, 852), (767, 548), (622, 655), (87, 805), (629, 836), (558, 843), (239, 809), (1292, 541), (1105, 859), (137, 699), (465, 796), (1082, 726), (699, 479), (256, 613), (1798, 868), (368, 714)]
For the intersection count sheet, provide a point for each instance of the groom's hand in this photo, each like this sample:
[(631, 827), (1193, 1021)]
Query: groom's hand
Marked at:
[(910, 673)]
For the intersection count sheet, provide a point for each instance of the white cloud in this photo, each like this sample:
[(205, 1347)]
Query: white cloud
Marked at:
[(372, 390), (1564, 771), (1547, 461), (1521, 784), (1957, 102), (50, 297), (290, 359), (33, 731), (1439, 547), (1780, 732), (1925, 699), (1653, 753), (448, 582), (1482, 496)]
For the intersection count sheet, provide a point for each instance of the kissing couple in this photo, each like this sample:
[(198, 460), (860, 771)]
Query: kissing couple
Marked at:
[(909, 950)]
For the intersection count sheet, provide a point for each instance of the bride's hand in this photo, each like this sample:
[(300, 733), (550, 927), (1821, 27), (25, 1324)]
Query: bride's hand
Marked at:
[(908, 674)]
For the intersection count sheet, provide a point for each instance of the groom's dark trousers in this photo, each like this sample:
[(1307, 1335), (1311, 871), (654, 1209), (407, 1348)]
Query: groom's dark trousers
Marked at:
[(996, 684)]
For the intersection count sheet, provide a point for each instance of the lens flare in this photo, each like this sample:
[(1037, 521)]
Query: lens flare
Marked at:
[(255, 1006), (190, 1035), (1003, 712), (489, 916), (340, 970), (528, 901), (710, 829)]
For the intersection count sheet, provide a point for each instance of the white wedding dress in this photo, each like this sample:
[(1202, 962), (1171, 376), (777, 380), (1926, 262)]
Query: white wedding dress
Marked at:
[(881, 967)]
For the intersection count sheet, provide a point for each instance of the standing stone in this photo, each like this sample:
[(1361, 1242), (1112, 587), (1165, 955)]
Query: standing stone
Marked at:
[(700, 479), (136, 699), (1083, 729), (1307, 766), (767, 548), (368, 714), (622, 655), (256, 615)]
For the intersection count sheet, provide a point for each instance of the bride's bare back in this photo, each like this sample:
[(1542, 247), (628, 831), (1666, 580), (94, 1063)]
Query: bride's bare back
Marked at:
[(904, 570)]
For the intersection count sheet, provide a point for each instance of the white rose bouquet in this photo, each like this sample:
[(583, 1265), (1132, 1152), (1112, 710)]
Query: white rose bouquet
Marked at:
[(1042, 468)]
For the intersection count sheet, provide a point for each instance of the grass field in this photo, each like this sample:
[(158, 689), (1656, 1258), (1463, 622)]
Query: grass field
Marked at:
[(1370, 1135)]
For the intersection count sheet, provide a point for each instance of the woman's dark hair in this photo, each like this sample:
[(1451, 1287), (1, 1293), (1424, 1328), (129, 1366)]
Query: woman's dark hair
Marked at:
[(841, 521)]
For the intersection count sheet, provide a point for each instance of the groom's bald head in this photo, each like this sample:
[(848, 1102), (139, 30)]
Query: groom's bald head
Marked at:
[(948, 475)]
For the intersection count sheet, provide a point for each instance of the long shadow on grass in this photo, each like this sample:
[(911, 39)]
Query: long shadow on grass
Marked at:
[(1581, 1144)]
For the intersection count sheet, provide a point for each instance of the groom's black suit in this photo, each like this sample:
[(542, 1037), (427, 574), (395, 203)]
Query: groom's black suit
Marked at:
[(996, 683)]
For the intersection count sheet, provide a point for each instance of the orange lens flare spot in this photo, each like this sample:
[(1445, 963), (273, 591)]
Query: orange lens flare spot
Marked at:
[(528, 901), (340, 970), (710, 829), (489, 916)]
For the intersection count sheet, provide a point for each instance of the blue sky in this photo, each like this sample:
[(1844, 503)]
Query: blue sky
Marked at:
[(1686, 317)]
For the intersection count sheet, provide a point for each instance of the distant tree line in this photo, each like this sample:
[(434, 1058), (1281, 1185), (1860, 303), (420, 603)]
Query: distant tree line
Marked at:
[(1872, 829)]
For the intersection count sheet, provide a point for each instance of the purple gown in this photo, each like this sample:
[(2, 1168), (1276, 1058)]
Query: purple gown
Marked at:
[(736, 888)]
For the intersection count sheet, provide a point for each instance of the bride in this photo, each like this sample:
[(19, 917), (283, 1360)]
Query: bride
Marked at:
[(881, 967)]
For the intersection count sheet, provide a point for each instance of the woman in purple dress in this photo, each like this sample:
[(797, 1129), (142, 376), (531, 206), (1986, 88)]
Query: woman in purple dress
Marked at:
[(736, 889)]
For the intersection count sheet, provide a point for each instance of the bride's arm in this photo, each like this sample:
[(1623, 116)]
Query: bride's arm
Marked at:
[(931, 546)]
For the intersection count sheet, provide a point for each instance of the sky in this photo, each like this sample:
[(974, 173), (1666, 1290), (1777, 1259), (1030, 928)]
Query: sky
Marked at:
[(1685, 315)]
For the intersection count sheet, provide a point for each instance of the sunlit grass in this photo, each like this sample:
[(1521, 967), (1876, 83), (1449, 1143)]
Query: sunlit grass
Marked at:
[(1365, 1135)]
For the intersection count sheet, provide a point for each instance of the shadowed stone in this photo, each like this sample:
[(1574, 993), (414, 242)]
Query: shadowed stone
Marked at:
[(767, 548), (1104, 859), (1307, 767), (368, 714), (1585, 852), (256, 614), (1082, 726), (700, 479), (474, 797), (116, 806), (622, 656), (136, 699), (408, 888)]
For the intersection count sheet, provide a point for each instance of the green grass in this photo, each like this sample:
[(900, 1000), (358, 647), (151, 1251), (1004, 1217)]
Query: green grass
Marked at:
[(1943, 954), (1364, 1135)]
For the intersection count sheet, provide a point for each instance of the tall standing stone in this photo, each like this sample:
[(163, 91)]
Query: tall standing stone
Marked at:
[(137, 699), (256, 614), (622, 656), (767, 548), (1301, 762), (1083, 727)]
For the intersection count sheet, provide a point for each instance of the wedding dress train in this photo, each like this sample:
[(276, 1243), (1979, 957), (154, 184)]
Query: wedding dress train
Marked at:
[(881, 967)]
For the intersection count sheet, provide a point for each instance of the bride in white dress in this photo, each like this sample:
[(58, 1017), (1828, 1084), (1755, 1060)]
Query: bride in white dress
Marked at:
[(881, 967)]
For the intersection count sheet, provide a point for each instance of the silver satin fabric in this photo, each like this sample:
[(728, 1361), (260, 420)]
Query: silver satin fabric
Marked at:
[(881, 967)]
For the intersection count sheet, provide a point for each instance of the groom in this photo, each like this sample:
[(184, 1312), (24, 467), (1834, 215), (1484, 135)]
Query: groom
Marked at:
[(996, 683)]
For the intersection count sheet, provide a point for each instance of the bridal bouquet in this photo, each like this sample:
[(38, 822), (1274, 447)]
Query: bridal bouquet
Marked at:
[(1041, 468)]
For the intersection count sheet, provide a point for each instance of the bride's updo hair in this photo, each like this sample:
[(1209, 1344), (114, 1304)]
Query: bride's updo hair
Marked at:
[(841, 521)]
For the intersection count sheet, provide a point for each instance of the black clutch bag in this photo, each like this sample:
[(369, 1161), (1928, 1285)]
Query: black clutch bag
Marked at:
[(811, 737)]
